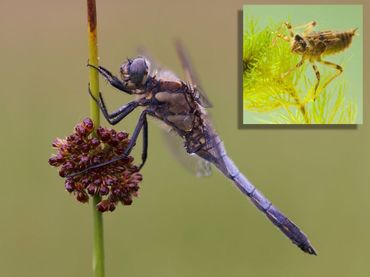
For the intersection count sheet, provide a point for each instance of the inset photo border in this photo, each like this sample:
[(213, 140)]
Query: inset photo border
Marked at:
[(302, 64)]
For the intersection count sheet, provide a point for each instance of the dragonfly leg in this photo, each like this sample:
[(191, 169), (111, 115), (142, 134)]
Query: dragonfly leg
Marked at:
[(142, 123), (113, 80), (117, 115), (144, 154)]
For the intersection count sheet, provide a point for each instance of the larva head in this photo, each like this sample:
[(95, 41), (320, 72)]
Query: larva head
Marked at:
[(299, 45)]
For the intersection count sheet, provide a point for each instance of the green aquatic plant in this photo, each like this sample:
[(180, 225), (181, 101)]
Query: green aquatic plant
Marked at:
[(287, 99)]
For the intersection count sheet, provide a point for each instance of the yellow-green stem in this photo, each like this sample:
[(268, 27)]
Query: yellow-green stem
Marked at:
[(98, 248), (301, 105)]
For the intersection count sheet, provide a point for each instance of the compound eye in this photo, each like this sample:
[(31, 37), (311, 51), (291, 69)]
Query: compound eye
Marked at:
[(301, 41), (125, 70), (298, 38), (138, 70)]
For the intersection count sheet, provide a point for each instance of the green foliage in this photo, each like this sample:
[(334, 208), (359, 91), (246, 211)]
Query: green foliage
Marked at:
[(332, 108), (288, 99)]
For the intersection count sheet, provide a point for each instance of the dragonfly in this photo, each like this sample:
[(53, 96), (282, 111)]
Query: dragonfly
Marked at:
[(182, 105)]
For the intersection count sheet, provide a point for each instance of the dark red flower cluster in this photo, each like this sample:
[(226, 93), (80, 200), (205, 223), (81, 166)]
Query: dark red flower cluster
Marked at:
[(115, 182)]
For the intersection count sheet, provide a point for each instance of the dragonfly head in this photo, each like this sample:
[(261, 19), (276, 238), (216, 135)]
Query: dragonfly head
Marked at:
[(135, 71), (299, 45)]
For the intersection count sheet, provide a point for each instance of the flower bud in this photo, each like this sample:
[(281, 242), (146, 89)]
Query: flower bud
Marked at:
[(114, 182)]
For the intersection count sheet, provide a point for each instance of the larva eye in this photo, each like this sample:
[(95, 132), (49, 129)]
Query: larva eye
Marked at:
[(298, 38)]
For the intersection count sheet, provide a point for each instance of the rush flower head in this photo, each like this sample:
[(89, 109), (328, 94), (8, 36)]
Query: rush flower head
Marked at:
[(115, 182)]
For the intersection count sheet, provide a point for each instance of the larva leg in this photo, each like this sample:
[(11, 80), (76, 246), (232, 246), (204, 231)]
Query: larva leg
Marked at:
[(317, 72), (308, 27), (294, 68), (335, 66), (286, 38), (290, 29)]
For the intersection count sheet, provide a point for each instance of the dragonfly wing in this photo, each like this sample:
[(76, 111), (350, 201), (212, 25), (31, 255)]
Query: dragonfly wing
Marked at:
[(191, 75), (154, 65), (157, 69), (192, 163)]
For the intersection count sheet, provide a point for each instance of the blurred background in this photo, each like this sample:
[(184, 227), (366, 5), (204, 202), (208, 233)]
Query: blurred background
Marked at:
[(180, 225)]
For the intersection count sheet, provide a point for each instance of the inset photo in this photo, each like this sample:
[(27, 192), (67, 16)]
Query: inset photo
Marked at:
[(302, 64)]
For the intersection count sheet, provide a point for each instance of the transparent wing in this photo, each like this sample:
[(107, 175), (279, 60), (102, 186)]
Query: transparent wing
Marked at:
[(191, 75), (192, 163), (156, 68)]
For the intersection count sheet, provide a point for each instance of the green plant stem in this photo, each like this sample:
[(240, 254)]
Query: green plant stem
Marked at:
[(98, 249), (301, 106)]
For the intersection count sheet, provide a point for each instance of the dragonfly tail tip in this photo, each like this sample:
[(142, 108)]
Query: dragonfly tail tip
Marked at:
[(310, 250)]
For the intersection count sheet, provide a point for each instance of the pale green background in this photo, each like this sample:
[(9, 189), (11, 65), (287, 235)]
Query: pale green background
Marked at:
[(180, 226), (328, 17)]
